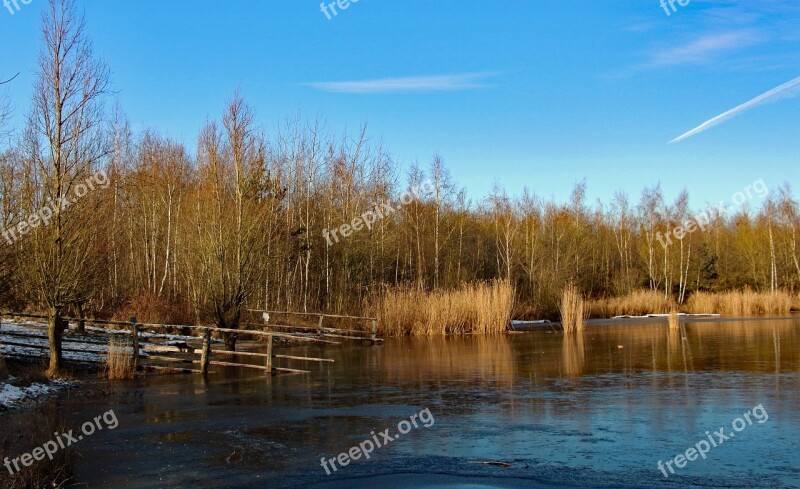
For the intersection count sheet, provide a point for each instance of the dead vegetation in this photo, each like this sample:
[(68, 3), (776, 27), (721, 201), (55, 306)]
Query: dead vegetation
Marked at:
[(119, 361), (637, 303), (573, 311), (674, 319), (742, 303), (480, 308)]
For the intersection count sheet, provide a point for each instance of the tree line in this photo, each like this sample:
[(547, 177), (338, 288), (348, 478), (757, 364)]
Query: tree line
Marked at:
[(201, 233)]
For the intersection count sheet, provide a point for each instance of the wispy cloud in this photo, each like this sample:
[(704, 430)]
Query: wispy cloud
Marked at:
[(705, 49), (407, 84), (789, 89)]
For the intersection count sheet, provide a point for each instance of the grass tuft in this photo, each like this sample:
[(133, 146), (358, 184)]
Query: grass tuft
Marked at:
[(572, 309), (119, 361)]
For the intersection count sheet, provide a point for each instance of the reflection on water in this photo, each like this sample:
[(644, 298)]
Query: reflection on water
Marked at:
[(594, 409)]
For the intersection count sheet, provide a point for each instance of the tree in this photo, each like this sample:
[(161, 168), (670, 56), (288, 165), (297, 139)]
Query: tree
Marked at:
[(65, 145), (231, 212)]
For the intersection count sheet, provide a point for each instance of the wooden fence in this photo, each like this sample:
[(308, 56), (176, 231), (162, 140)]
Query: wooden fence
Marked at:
[(320, 328), (149, 348)]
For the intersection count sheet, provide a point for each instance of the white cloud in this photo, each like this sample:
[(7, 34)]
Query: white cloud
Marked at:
[(406, 84), (705, 48)]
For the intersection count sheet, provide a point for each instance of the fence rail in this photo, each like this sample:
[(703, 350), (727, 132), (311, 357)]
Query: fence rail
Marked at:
[(339, 333)]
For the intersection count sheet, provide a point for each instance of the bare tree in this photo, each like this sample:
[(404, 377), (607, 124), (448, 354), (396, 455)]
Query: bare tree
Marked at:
[(66, 145)]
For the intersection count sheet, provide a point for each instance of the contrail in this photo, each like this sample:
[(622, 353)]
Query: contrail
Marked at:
[(787, 90)]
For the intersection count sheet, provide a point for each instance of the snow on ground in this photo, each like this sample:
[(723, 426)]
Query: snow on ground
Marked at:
[(12, 396)]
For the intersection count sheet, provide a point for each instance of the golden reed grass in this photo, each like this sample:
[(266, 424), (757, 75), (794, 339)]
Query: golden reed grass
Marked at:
[(572, 309), (119, 361), (674, 320), (743, 303), (637, 303), (479, 308)]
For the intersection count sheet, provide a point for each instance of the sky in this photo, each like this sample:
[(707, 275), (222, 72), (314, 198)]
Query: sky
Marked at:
[(520, 93)]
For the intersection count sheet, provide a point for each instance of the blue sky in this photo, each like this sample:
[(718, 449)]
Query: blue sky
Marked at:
[(520, 92)]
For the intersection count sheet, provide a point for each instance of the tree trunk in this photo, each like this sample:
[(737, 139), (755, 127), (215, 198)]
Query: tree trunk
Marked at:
[(55, 331)]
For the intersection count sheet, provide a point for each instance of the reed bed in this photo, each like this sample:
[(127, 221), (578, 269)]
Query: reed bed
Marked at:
[(479, 308), (637, 303), (743, 303), (572, 307), (119, 361)]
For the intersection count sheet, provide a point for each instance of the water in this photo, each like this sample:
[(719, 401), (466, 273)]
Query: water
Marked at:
[(595, 410)]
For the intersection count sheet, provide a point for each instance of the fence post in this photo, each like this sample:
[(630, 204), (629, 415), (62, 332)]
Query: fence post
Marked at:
[(319, 327), (265, 317), (81, 319), (135, 341), (374, 331), (205, 357), (269, 355)]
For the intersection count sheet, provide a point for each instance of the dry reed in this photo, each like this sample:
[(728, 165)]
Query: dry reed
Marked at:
[(572, 309), (674, 320), (480, 308), (742, 303), (119, 361), (637, 303)]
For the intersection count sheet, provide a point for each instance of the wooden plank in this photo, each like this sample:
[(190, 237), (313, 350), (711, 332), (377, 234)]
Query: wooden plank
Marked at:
[(20, 315), (305, 359), (271, 334), (47, 347), (291, 371), (168, 359), (228, 364), (148, 347), (309, 328), (289, 313), (177, 370), (242, 353), (359, 338)]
